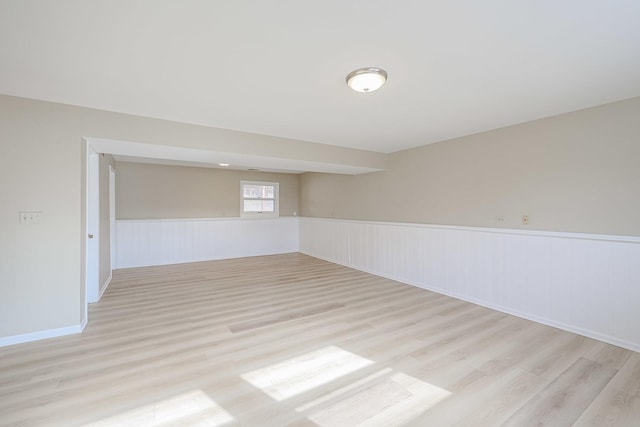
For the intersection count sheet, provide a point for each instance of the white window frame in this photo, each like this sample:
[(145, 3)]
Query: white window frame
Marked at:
[(276, 200)]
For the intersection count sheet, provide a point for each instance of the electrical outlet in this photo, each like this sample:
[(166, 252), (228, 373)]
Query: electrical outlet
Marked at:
[(500, 220), (30, 217), (525, 219)]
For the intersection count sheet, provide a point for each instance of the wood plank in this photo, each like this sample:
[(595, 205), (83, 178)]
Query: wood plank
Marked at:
[(619, 403), (177, 344), (565, 399)]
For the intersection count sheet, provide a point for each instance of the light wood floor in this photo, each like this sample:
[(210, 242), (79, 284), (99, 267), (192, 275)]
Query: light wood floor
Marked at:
[(290, 340)]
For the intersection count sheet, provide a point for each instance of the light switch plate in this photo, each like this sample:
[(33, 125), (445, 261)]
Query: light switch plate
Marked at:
[(30, 217)]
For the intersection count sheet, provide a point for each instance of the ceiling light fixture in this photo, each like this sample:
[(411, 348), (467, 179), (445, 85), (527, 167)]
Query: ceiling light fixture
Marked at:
[(366, 79), (223, 164)]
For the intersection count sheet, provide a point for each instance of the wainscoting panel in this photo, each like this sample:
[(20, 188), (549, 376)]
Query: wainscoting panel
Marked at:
[(157, 242), (588, 284)]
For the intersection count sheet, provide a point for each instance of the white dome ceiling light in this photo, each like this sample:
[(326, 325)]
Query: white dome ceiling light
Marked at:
[(366, 79)]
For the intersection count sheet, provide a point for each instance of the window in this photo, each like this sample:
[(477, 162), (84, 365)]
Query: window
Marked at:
[(259, 198)]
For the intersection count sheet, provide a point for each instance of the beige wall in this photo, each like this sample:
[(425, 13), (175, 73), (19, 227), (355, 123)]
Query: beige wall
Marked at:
[(39, 264), (42, 169), (577, 172), (159, 191)]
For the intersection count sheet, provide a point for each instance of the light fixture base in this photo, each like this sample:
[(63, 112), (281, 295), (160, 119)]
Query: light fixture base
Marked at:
[(366, 79)]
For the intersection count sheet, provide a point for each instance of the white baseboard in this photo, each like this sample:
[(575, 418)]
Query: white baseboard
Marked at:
[(584, 284), (545, 321), (83, 324), (41, 335), (105, 285), (569, 328)]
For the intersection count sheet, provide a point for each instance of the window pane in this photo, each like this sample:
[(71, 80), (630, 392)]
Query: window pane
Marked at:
[(250, 191), (259, 206), (253, 206), (267, 191)]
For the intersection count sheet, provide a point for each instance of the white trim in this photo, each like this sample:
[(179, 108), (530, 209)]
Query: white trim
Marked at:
[(92, 280), (112, 218), (42, 335), (172, 155), (159, 242), (84, 230), (580, 331), (229, 218), (276, 200), (514, 231), (581, 283), (105, 285)]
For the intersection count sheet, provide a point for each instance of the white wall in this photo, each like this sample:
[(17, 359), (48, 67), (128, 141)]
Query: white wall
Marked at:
[(588, 284), (157, 242)]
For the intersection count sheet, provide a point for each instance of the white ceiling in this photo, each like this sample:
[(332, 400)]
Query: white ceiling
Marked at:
[(278, 67), (127, 151)]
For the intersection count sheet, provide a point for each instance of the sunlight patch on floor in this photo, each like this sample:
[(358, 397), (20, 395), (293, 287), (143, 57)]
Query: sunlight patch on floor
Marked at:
[(191, 408), (306, 372), (352, 387), (392, 398)]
